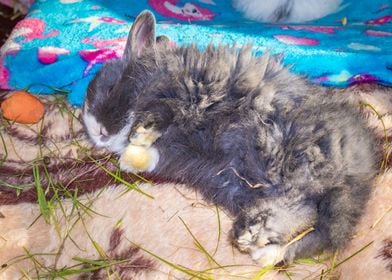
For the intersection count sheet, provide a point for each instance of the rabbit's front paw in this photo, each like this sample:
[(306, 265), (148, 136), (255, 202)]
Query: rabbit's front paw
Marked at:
[(140, 155), (137, 159), (144, 136), (258, 233), (269, 255), (253, 239)]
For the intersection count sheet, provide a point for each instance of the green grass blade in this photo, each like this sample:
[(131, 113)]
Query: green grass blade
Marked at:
[(73, 270), (310, 261), (219, 231), (25, 274), (287, 274), (263, 271), (114, 176), (198, 244), (177, 267), (17, 187), (335, 256), (386, 144), (330, 270), (42, 202), (88, 261), (353, 255), (5, 149)]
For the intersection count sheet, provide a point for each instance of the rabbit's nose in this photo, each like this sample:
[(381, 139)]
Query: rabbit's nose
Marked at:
[(104, 134), (104, 138)]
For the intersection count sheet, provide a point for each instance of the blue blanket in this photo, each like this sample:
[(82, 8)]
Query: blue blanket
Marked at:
[(61, 44)]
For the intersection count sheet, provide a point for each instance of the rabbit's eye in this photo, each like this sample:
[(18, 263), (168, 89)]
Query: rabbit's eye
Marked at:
[(103, 132), (110, 88)]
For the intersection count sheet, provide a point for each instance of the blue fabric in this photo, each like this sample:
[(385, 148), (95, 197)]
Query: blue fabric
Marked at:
[(61, 44)]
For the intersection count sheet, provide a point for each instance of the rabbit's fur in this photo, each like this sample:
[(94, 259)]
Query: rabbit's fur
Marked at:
[(280, 154), (286, 10)]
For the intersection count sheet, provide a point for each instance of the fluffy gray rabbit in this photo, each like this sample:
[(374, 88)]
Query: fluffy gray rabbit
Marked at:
[(281, 155)]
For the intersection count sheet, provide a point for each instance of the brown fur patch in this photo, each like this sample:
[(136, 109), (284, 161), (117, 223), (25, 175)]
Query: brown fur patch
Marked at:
[(386, 253), (115, 239), (131, 261), (83, 175)]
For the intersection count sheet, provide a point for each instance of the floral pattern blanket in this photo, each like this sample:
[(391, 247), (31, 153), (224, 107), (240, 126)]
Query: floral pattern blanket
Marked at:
[(61, 44)]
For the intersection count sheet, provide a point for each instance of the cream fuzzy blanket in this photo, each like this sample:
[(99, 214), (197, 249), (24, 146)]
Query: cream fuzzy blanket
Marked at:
[(115, 232)]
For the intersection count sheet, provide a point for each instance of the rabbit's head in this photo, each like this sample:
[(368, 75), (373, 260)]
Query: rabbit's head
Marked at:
[(108, 110)]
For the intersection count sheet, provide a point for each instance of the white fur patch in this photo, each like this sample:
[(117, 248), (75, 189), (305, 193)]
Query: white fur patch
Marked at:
[(269, 255), (115, 143)]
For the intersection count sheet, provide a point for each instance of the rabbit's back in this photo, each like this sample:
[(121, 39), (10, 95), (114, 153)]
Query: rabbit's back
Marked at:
[(254, 123)]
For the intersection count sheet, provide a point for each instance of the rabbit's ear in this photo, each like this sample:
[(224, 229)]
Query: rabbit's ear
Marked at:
[(141, 36)]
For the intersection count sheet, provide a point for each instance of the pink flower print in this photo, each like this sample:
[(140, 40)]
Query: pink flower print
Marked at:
[(4, 75), (346, 77), (320, 79), (97, 56), (378, 33), (292, 40), (383, 7), (380, 20), (188, 12), (26, 30), (33, 28), (362, 78), (49, 55), (117, 44), (95, 21), (319, 29), (112, 20)]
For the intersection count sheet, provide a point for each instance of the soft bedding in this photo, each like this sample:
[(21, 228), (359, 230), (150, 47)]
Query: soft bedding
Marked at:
[(61, 44)]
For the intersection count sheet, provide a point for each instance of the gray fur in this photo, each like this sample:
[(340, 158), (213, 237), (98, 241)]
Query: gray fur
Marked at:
[(251, 137), (282, 12)]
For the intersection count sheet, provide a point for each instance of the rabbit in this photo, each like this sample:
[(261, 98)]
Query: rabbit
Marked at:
[(286, 11), (279, 154)]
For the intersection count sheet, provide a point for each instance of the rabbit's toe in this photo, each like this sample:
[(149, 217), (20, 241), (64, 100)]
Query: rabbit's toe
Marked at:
[(269, 255)]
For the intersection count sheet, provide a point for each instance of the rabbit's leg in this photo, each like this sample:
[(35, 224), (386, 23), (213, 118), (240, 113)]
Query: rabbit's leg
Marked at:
[(338, 213), (152, 119), (266, 230), (140, 155)]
